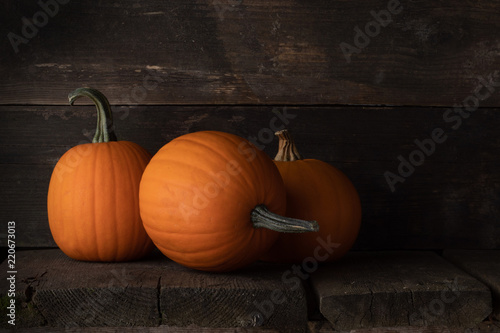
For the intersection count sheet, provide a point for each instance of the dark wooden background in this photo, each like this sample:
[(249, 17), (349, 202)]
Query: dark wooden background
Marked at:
[(173, 67)]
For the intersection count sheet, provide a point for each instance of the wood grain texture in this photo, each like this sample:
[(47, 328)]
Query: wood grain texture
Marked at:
[(55, 293), (261, 295), (484, 327), (484, 266), (60, 292), (450, 201), (251, 52), (389, 289), (313, 328), (159, 329)]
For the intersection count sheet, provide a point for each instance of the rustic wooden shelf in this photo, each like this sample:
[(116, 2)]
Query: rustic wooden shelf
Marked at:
[(483, 265), (398, 289), (364, 292), (150, 292)]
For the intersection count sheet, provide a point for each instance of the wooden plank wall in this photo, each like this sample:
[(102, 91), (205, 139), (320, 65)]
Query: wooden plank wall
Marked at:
[(361, 84)]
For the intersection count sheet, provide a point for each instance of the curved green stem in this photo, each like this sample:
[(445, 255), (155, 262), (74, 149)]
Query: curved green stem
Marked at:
[(263, 218), (287, 151), (104, 131)]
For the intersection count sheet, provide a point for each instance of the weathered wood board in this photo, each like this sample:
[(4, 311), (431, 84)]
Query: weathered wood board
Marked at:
[(387, 289), (261, 295), (451, 200), (61, 292), (385, 52), (159, 329), (313, 328), (55, 291), (484, 266), (405, 292), (484, 327)]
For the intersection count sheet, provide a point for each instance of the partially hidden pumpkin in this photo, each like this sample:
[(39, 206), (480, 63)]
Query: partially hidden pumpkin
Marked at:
[(93, 195), (208, 198), (315, 190)]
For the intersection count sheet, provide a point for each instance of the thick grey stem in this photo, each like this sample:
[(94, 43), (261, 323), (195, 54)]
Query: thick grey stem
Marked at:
[(263, 218)]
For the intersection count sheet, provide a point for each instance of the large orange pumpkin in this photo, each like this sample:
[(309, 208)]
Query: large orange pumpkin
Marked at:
[(206, 200), (93, 196), (315, 190)]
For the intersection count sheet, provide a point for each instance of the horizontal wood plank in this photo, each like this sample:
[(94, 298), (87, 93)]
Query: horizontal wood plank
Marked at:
[(484, 327), (484, 266), (250, 52), (449, 201), (390, 289), (65, 293), (69, 293), (159, 329), (313, 328), (154, 294), (256, 296)]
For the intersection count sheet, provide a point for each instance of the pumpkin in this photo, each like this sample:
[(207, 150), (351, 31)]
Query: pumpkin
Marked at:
[(210, 201), (93, 195), (315, 190)]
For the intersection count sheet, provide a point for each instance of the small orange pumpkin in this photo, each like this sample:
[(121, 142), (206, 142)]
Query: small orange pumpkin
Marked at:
[(93, 196), (207, 199), (315, 190)]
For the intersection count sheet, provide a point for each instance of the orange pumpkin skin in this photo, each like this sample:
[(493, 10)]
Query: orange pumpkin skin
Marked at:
[(93, 197), (196, 197), (317, 190), (93, 202)]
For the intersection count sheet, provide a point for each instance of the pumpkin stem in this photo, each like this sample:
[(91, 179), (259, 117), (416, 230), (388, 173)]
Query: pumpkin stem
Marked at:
[(287, 151), (263, 218), (104, 131)]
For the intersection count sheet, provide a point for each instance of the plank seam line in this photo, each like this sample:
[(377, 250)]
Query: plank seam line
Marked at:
[(158, 300)]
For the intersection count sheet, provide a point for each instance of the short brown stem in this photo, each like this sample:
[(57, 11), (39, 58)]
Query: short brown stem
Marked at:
[(287, 151)]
